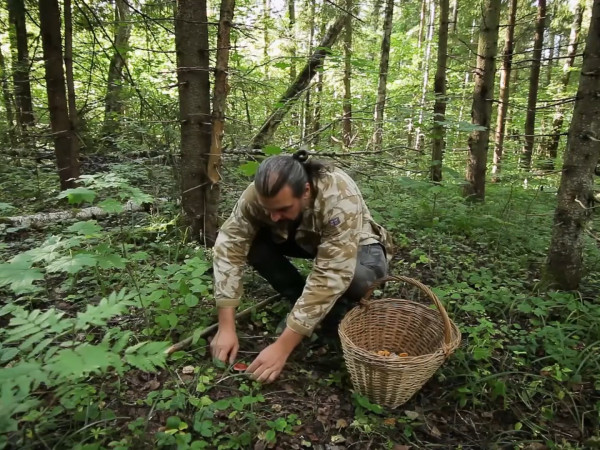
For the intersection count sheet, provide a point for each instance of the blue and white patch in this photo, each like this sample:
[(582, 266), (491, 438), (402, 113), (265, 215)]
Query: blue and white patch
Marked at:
[(334, 222)]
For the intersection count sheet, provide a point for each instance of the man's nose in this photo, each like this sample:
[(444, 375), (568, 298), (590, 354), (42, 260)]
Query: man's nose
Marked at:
[(275, 217)]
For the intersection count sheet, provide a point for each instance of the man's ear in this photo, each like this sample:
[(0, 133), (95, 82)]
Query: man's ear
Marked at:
[(307, 190)]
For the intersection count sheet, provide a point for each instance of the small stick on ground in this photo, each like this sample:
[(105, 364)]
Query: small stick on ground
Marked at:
[(183, 344)]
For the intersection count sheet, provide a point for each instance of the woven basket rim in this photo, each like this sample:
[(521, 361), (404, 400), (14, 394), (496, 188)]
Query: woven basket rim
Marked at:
[(358, 351)]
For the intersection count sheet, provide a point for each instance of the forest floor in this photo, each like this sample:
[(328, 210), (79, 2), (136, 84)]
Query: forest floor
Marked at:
[(525, 376)]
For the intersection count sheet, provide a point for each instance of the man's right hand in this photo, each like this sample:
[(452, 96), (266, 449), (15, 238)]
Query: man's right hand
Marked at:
[(225, 345)]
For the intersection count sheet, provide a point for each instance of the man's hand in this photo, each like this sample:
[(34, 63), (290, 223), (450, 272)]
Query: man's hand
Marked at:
[(269, 363), (225, 345)]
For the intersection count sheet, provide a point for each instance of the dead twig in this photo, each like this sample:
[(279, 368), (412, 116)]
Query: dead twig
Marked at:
[(183, 344)]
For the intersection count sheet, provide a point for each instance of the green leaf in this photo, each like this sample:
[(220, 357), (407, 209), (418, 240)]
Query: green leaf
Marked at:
[(147, 356), (481, 353), (88, 228), (78, 195), (99, 315), (20, 276), (139, 197), (73, 263), (111, 260), (111, 205), (272, 150), (249, 168), (6, 354), (270, 436), (191, 300)]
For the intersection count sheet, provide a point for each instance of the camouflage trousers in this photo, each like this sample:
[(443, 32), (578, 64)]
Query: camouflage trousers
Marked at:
[(271, 261)]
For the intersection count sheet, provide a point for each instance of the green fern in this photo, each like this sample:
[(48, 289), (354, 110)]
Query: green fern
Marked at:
[(147, 356), (101, 313)]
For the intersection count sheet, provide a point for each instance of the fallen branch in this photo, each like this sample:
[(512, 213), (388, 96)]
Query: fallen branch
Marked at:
[(182, 344), (92, 212)]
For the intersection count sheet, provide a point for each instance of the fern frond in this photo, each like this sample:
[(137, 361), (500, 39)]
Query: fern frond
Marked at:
[(100, 314), (147, 356)]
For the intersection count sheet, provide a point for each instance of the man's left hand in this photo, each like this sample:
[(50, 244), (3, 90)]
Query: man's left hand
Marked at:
[(269, 363)]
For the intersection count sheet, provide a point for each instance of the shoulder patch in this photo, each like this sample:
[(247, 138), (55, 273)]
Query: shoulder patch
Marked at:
[(334, 222)]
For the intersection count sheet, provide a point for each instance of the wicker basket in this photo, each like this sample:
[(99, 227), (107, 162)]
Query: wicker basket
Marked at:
[(426, 335)]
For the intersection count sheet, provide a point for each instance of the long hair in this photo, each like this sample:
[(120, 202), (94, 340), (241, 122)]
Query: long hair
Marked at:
[(293, 170)]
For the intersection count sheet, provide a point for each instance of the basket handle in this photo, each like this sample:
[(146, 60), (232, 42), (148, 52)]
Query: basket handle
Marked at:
[(447, 327)]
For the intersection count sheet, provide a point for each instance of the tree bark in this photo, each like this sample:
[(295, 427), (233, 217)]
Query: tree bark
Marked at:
[(221, 89), (384, 63), (113, 109), (347, 103), (425, 70), (8, 102), (21, 66), (292, 31), (551, 48), (575, 194), (67, 156), (557, 121), (191, 44), (439, 108), (504, 89), (483, 93), (307, 115), (73, 115), (318, 94), (534, 80), (454, 21), (300, 84)]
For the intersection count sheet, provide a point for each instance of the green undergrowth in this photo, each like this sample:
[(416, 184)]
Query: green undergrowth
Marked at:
[(90, 306)]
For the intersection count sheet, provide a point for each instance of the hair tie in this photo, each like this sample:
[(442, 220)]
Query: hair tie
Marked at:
[(300, 156)]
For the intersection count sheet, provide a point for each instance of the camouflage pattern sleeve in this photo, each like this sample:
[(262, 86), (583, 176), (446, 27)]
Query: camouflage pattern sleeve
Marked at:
[(334, 265), (231, 250)]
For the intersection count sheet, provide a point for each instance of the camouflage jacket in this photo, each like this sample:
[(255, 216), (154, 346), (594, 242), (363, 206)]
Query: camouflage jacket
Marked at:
[(332, 227)]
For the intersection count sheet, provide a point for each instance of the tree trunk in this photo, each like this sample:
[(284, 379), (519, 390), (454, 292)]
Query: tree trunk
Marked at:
[(384, 63), (300, 84), (483, 94), (504, 89), (221, 88), (422, 22), (347, 104), (113, 109), (376, 12), (7, 99), (292, 30), (439, 108), (575, 194), (307, 115), (551, 39), (318, 94), (67, 156), (557, 121), (534, 80), (426, 59), (454, 21), (21, 66), (266, 40), (73, 115), (191, 44)]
